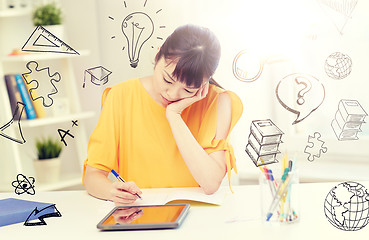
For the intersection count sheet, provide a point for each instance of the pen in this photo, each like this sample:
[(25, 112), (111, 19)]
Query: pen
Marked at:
[(122, 180), (280, 192)]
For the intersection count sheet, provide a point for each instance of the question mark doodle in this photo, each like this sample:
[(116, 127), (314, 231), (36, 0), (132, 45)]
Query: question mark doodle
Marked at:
[(301, 104), (302, 92)]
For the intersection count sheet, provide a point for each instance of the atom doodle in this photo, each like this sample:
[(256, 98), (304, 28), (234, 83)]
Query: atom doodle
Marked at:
[(24, 185)]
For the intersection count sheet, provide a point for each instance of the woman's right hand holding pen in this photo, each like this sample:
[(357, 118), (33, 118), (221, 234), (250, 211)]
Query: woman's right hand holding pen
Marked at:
[(124, 193)]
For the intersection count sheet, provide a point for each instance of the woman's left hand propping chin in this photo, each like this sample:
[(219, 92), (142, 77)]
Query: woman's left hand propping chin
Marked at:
[(178, 106)]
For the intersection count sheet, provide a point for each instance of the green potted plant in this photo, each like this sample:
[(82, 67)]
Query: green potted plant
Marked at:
[(51, 16), (47, 164)]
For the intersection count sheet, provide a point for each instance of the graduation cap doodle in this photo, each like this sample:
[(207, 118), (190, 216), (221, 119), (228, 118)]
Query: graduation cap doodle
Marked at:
[(99, 75)]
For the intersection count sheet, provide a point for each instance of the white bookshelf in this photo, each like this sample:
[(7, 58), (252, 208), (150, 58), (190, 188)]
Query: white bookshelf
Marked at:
[(18, 158)]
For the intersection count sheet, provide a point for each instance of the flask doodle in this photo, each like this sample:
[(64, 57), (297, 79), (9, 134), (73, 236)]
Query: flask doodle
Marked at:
[(301, 101)]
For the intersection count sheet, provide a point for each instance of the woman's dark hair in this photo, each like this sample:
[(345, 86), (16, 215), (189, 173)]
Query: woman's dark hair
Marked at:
[(195, 50)]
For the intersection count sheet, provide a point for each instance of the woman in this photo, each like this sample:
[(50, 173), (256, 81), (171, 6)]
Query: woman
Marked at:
[(170, 129)]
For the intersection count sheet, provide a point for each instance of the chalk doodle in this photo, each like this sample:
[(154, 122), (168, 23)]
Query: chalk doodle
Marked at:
[(348, 120), (346, 206), (62, 133), (338, 65), (24, 185), (315, 147), (339, 11), (74, 123), (98, 75), (38, 78), (308, 91), (18, 111), (263, 142), (247, 67), (46, 212), (41, 40), (137, 28)]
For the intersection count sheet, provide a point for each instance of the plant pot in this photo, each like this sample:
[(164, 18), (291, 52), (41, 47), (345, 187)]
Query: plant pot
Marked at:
[(47, 170)]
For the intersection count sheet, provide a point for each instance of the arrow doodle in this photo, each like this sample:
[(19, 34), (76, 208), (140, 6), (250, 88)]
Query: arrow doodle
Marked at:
[(49, 211)]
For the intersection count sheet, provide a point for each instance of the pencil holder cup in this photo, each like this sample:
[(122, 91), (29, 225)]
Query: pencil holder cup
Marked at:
[(279, 197)]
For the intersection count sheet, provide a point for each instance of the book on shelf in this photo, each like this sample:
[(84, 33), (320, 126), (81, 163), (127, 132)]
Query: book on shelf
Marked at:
[(19, 91), (39, 108), (14, 95)]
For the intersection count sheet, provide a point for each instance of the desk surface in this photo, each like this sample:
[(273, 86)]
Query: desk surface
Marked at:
[(237, 218)]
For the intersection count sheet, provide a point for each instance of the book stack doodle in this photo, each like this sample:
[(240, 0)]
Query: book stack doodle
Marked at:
[(348, 120), (263, 142)]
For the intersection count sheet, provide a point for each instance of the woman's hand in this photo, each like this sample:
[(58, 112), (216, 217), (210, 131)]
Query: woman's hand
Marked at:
[(124, 193), (178, 106)]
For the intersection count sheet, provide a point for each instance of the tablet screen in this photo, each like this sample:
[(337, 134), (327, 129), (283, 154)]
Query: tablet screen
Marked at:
[(144, 217)]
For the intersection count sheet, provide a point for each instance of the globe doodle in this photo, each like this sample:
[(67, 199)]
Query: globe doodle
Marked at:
[(347, 206), (338, 65)]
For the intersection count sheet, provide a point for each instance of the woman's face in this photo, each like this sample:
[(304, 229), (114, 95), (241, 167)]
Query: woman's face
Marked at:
[(166, 87)]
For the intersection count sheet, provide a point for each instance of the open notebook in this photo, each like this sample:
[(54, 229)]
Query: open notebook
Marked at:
[(165, 196)]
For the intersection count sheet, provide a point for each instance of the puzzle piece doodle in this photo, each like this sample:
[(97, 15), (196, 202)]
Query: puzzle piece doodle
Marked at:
[(38, 78), (315, 147)]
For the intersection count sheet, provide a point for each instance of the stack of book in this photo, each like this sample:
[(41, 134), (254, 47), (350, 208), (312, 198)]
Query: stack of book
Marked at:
[(263, 142), (348, 120), (18, 91)]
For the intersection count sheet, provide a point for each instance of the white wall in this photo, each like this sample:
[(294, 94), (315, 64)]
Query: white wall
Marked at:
[(298, 35)]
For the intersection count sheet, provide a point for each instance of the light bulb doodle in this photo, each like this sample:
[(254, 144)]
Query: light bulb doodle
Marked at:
[(137, 27), (247, 67), (307, 99)]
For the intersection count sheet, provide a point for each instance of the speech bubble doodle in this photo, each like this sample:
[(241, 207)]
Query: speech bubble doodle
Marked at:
[(308, 94)]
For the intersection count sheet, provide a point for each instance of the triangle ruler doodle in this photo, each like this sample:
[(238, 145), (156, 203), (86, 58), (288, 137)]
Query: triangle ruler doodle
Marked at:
[(41, 40)]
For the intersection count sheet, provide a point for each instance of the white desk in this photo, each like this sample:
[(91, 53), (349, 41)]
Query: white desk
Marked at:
[(81, 212)]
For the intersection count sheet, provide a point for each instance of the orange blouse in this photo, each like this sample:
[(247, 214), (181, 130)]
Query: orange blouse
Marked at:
[(134, 138)]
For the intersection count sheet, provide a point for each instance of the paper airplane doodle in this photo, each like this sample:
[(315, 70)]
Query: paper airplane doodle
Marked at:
[(17, 112), (339, 11), (348, 120), (99, 75), (309, 95), (263, 142), (24, 185), (41, 40), (38, 78), (47, 212), (315, 147)]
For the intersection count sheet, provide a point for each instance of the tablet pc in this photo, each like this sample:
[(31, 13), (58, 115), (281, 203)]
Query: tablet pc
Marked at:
[(144, 217)]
